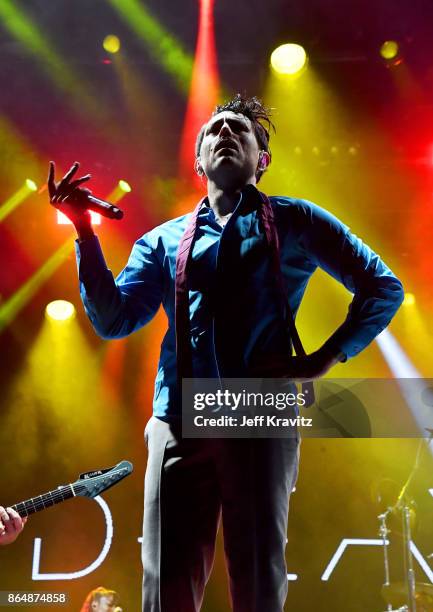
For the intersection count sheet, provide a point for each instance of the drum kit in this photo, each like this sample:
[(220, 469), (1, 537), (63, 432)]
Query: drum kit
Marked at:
[(408, 595)]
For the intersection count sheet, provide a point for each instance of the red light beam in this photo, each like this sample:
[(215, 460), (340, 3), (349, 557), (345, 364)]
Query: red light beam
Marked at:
[(204, 88)]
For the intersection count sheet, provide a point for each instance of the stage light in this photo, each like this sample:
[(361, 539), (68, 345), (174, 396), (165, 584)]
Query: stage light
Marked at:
[(404, 370), (204, 91), (124, 186), (62, 219), (17, 198), (289, 59), (409, 299), (119, 192), (10, 308), (389, 50), (31, 185), (162, 45), (111, 43), (60, 310), (37, 42)]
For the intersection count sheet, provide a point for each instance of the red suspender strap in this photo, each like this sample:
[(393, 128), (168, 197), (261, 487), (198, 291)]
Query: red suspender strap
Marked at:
[(270, 228), (182, 321)]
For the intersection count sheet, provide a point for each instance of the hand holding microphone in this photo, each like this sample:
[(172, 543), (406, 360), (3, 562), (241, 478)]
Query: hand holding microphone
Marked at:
[(75, 201)]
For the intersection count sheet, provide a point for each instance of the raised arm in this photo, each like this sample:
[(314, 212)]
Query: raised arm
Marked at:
[(118, 307)]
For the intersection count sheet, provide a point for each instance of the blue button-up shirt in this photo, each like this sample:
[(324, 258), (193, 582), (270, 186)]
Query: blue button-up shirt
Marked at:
[(309, 237), (202, 281)]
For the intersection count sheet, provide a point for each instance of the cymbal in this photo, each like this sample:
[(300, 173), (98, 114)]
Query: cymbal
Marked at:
[(396, 593)]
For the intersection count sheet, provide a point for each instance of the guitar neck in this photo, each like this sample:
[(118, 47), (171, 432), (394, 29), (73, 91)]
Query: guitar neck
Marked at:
[(35, 504), (89, 484)]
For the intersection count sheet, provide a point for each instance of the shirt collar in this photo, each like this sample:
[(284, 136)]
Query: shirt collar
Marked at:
[(206, 210)]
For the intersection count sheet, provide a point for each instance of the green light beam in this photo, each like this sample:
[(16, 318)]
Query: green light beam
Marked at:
[(11, 203), (161, 44), (11, 307), (21, 27)]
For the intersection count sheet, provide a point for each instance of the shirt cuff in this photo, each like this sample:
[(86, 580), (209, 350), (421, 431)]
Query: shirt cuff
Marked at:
[(90, 259)]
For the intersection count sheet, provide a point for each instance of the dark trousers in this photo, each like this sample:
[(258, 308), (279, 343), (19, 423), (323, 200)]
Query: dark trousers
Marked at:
[(190, 484)]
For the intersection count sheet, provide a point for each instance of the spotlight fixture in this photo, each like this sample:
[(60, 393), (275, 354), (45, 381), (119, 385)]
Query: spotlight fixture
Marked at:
[(409, 299), (289, 59), (60, 310), (124, 186), (31, 185), (390, 52), (111, 43)]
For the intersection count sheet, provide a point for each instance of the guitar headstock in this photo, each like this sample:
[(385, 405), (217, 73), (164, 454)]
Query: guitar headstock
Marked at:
[(91, 484)]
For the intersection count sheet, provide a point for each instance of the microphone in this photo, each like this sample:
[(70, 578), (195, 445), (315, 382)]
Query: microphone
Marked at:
[(105, 209)]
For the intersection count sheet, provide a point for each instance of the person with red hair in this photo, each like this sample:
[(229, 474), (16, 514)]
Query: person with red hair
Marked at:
[(100, 600)]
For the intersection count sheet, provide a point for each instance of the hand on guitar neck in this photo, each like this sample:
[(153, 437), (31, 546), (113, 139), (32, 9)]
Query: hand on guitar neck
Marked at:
[(11, 525)]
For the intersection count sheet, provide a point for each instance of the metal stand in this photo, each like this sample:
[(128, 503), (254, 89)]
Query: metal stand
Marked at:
[(408, 559), (383, 532), (402, 505)]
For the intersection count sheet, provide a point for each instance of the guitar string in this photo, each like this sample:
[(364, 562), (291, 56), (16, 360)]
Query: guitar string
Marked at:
[(57, 495)]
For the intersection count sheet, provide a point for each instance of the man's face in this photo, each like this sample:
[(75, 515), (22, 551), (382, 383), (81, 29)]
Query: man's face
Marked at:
[(105, 604), (229, 153)]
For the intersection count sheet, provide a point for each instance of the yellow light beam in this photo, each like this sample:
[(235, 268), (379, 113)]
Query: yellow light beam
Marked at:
[(15, 200), (18, 155), (300, 107), (60, 366), (119, 192), (12, 306)]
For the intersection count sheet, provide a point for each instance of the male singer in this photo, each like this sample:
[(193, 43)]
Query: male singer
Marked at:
[(217, 272)]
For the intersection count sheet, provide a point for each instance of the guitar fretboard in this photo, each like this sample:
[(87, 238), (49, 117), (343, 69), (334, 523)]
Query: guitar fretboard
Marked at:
[(35, 504)]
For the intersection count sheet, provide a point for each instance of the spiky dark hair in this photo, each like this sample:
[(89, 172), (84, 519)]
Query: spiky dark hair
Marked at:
[(259, 116)]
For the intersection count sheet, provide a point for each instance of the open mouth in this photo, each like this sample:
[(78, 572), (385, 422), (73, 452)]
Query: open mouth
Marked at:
[(226, 144)]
